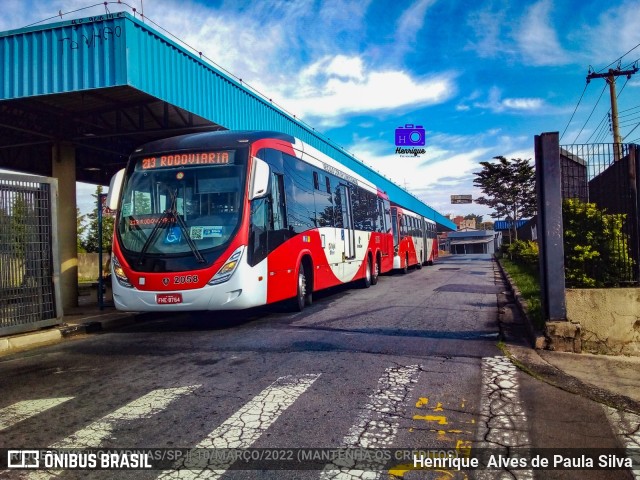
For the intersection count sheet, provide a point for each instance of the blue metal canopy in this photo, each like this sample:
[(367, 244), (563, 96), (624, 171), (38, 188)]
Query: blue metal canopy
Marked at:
[(117, 59)]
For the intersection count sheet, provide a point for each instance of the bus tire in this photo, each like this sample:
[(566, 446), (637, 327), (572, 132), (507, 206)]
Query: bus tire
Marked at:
[(419, 264), (303, 295), (366, 281), (405, 269), (375, 273)]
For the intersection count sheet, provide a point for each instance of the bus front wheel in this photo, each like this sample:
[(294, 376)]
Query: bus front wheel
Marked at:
[(303, 291), (366, 281)]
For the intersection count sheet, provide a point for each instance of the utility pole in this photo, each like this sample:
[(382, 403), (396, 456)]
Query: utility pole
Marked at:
[(610, 76)]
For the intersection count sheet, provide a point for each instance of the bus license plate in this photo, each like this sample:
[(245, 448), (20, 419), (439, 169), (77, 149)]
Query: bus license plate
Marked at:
[(168, 298)]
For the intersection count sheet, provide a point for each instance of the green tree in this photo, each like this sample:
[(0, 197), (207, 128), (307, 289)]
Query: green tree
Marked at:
[(92, 242), (509, 188)]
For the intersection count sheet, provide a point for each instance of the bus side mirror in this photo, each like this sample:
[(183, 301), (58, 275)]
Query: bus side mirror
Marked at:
[(115, 188), (259, 179)]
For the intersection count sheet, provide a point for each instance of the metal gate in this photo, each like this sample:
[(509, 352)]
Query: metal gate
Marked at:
[(28, 253)]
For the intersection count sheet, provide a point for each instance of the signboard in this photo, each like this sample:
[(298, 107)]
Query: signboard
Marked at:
[(103, 202), (456, 199)]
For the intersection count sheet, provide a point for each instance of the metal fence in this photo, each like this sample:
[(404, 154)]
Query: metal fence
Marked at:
[(27, 293), (601, 238)]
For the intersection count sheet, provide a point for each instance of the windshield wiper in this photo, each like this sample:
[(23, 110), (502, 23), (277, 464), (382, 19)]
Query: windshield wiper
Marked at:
[(160, 222), (170, 216)]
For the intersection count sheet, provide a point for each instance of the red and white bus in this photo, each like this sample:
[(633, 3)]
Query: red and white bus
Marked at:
[(414, 239), (232, 220)]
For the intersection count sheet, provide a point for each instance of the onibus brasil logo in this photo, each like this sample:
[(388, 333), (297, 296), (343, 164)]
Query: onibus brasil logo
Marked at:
[(408, 139)]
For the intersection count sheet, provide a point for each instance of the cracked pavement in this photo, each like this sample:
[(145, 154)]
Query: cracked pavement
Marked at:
[(411, 363)]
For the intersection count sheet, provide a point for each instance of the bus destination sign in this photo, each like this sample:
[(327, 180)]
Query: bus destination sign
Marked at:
[(186, 160)]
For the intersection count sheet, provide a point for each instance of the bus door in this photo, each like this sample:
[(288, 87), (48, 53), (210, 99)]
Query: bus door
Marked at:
[(384, 248), (348, 235), (396, 227), (424, 228)]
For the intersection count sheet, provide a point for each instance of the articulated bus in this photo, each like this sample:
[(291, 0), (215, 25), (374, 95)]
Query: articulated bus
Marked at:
[(232, 220), (414, 239)]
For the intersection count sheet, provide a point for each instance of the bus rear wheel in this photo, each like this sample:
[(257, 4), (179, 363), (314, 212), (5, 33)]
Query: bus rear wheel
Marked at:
[(375, 273)]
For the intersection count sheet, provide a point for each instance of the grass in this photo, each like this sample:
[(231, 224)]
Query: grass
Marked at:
[(526, 279)]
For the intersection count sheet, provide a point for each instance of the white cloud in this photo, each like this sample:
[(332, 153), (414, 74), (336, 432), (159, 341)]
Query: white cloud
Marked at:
[(522, 103), (487, 28), (537, 39), (340, 85), (497, 104), (614, 33), (409, 25)]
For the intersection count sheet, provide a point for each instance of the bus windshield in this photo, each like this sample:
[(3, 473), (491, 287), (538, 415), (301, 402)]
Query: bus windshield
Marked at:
[(181, 203)]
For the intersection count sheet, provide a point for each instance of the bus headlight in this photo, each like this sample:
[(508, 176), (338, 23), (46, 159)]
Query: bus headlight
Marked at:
[(119, 273), (228, 268)]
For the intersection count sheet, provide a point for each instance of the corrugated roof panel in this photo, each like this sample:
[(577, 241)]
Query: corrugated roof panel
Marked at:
[(64, 57)]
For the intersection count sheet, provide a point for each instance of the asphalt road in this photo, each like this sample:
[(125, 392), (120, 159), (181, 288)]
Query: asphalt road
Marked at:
[(411, 363)]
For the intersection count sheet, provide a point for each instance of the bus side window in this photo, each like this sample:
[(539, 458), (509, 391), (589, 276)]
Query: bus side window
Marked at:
[(278, 201), (279, 230), (258, 231)]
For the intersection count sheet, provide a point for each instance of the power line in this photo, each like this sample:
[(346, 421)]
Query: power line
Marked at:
[(601, 126), (589, 118), (630, 111), (574, 110), (637, 125), (620, 58)]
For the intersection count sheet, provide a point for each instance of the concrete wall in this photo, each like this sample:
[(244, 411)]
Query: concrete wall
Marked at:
[(609, 319)]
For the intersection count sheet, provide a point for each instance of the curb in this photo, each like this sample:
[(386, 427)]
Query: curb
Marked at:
[(25, 341), (533, 364), (536, 338), (87, 325), (529, 360)]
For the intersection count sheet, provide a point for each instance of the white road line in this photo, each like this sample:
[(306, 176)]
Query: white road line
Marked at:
[(94, 434), (20, 411), (246, 426), (504, 422), (377, 424), (627, 428)]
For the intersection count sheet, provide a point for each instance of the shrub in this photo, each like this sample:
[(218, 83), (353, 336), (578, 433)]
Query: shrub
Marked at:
[(524, 252), (596, 253)]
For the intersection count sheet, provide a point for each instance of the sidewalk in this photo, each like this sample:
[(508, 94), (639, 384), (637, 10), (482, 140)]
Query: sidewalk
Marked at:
[(608, 379), (86, 318)]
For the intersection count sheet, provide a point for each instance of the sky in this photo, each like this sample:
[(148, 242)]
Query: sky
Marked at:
[(482, 78)]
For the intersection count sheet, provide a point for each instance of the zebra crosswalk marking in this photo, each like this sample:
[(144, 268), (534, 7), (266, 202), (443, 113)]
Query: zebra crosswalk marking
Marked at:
[(376, 426), (20, 411), (244, 427), (94, 434), (505, 422)]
